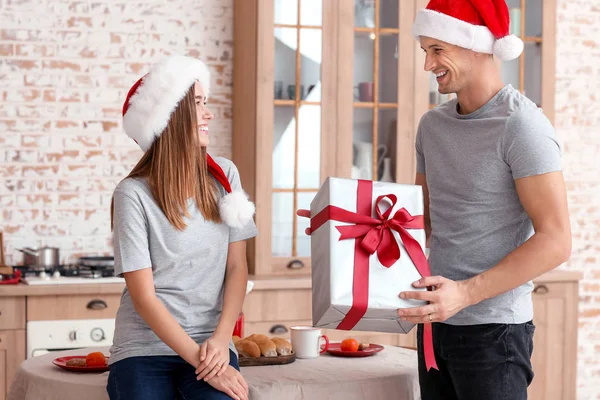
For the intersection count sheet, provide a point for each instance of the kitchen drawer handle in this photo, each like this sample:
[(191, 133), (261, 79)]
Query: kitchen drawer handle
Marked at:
[(97, 305), (541, 289), (278, 329), (295, 264)]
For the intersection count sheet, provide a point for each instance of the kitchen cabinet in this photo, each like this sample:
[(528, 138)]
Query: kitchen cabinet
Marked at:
[(322, 88), (12, 339), (22, 305), (12, 354), (556, 304)]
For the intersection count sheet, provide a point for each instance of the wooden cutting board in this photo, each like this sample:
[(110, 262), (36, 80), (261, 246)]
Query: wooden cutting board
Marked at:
[(255, 362)]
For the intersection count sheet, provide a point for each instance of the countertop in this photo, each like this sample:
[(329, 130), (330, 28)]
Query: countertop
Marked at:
[(21, 289), (260, 283)]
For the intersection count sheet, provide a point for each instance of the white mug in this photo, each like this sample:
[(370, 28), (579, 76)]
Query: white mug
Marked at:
[(306, 341)]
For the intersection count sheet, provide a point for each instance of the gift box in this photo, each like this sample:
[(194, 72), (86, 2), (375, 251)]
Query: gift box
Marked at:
[(367, 246)]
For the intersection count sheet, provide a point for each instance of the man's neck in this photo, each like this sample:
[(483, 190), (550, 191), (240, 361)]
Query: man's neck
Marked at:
[(479, 92)]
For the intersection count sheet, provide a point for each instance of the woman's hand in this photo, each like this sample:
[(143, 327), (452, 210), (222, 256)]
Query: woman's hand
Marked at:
[(232, 383), (214, 357)]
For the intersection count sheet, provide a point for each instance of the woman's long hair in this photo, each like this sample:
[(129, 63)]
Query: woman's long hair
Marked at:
[(175, 166)]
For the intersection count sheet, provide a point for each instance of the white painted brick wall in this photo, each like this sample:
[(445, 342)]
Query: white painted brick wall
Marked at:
[(65, 67), (577, 122)]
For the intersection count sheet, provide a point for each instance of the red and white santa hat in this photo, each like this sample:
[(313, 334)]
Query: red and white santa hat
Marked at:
[(147, 110), (478, 25)]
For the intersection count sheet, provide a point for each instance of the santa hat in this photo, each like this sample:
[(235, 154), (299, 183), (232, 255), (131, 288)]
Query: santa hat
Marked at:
[(147, 111), (478, 25)]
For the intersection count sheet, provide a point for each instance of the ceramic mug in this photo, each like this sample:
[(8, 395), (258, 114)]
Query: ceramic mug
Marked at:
[(365, 91), (306, 341)]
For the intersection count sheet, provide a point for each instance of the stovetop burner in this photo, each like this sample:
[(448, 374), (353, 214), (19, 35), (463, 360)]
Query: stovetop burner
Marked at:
[(69, 270)]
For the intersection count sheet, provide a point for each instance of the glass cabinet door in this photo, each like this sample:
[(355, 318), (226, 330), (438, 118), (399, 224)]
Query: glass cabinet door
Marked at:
[(525, 72), (375, 88), (296, 170)]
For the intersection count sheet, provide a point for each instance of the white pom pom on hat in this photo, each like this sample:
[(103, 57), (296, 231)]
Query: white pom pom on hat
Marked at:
[(147, 110), (478, 25)]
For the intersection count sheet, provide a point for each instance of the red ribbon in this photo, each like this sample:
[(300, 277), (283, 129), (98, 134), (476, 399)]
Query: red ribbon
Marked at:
[(375, 234)]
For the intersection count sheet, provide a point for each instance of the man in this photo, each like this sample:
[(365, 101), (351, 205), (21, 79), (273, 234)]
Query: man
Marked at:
[(495, 207)]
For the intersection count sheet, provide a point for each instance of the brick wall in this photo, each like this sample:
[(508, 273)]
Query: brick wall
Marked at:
[(65, 67), (577, 121)]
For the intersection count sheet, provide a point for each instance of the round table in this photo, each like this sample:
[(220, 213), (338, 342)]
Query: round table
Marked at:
[(391, 373)]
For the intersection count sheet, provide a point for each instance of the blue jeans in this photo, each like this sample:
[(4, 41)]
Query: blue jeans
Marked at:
[(489, 361), (160, 378)]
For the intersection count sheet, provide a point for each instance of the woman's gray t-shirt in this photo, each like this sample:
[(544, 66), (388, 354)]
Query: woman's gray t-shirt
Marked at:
[(188, 266), (471, 162)]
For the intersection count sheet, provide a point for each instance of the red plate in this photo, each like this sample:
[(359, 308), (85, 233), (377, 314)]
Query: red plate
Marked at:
[(335, 350), (62, 362)]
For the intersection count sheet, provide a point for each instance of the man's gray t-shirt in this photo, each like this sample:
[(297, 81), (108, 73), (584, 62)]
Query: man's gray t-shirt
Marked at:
[(471, 162), (188, 266)]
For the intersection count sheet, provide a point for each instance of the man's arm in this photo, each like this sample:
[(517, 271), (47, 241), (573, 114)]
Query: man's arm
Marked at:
[(421, 180), (544, 199)]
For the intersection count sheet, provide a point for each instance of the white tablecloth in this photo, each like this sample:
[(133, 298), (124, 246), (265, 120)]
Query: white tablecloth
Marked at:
[(389, 374)]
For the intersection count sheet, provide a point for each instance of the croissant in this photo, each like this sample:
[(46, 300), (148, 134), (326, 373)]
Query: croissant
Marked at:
[(284, 348), (257, 337), (267, 348), (247, 348)]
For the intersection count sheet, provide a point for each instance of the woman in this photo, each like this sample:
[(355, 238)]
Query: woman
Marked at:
[(180, 222)]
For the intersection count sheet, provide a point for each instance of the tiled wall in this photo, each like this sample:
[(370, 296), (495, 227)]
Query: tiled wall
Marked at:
[(65, 67)]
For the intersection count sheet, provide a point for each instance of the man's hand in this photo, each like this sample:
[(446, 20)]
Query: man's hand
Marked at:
[(214, 357), (448, 298), (232, 383), (306, 214)]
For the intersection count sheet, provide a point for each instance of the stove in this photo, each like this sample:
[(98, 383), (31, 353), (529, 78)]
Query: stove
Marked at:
[(67, 274)]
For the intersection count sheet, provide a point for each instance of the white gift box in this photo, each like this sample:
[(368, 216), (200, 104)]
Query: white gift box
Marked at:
[(333, 259)]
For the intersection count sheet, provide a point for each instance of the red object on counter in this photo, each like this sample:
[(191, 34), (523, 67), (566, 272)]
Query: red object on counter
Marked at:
[(238, 329), (12, 281)]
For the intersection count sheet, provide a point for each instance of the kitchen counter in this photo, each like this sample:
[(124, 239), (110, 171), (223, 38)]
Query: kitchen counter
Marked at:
[(260, 283), (21, 289)]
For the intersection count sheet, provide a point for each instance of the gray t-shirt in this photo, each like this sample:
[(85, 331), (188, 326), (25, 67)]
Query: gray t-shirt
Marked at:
[(471, 162), (188, 266)]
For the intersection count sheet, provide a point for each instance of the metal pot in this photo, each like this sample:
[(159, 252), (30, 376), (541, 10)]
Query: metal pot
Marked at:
[(43, 257)]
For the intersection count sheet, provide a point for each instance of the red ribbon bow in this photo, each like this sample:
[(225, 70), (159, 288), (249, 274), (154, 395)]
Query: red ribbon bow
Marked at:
[(376, 235)]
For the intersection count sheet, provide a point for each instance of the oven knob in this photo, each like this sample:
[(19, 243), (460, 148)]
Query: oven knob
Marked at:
[(97, 334), (73, 335)]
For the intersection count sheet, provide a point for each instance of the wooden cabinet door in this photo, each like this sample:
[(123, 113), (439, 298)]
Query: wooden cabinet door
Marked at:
[(12, 354), (555, 341), (284, 123)]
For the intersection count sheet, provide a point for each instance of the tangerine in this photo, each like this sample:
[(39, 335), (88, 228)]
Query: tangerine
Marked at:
[(95, 359), (349, 344)]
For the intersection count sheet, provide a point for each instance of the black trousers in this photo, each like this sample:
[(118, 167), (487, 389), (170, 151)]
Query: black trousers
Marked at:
[(487, 362)]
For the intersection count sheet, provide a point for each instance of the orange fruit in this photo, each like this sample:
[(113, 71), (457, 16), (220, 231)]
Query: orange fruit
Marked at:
[(95, 359), (349, 344)]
